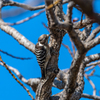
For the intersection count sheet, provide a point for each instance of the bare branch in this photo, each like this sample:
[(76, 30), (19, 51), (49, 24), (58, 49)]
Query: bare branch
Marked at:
[(72, 76), (78, 43), (91, 74), (73, 35), (88, 9), (91, 58), (49, 9), (84, 23), (79, 83), (16, 35), (90, 96), (66, 46), (92, 84), (56, 97), (16, 72), (72, 32), (33, 82), (92, 43), (87, 30), (93, 64), (4, 64), (46, 27), (62, 75), (93, 34), (15, 56), (27, 7), (90, 68), (26, 19), (69, 11), (65, 25), (73, 47), (19, 10)]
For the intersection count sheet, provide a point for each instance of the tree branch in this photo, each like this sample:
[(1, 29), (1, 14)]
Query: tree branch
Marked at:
[(33, 82), (67, 25), (79, 56), (90, 96), (15, 56), (66, 46), (17, 36), (92, 43), (4, 64), (73, 47), (93, 64), (93, 34), (56, 97), (90, 68), (72, 76), (84, 23), (86, 32), (16, 72), (92, 84), (88, 9), (27, 7), (91, 58), (26, 19)]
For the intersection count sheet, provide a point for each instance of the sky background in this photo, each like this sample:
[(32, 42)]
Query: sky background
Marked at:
[(32, 29)]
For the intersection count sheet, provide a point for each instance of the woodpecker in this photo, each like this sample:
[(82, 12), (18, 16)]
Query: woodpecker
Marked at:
[(42, 52)]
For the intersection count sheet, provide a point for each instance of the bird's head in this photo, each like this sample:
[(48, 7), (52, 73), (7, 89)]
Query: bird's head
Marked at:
[(43, 39)]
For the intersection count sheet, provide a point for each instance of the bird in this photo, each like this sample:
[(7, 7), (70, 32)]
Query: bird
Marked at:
[(42, 52)]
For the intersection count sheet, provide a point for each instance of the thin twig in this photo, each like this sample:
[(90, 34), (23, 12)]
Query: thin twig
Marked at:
[(89, 68), (66, 46), (25, 6), (16, 72), (15, 56), (34, 15), (92, 72), (97, 75), (12, 3), (90, 96), (4, 64), (93, 64), (46, 27), (26, 19), (92, 84), (73, 47)]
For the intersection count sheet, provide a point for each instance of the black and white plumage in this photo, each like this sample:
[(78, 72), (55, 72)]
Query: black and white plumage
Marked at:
[(42, 52)]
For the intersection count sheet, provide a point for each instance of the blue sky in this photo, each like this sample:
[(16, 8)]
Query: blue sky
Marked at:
[(32, 29)]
